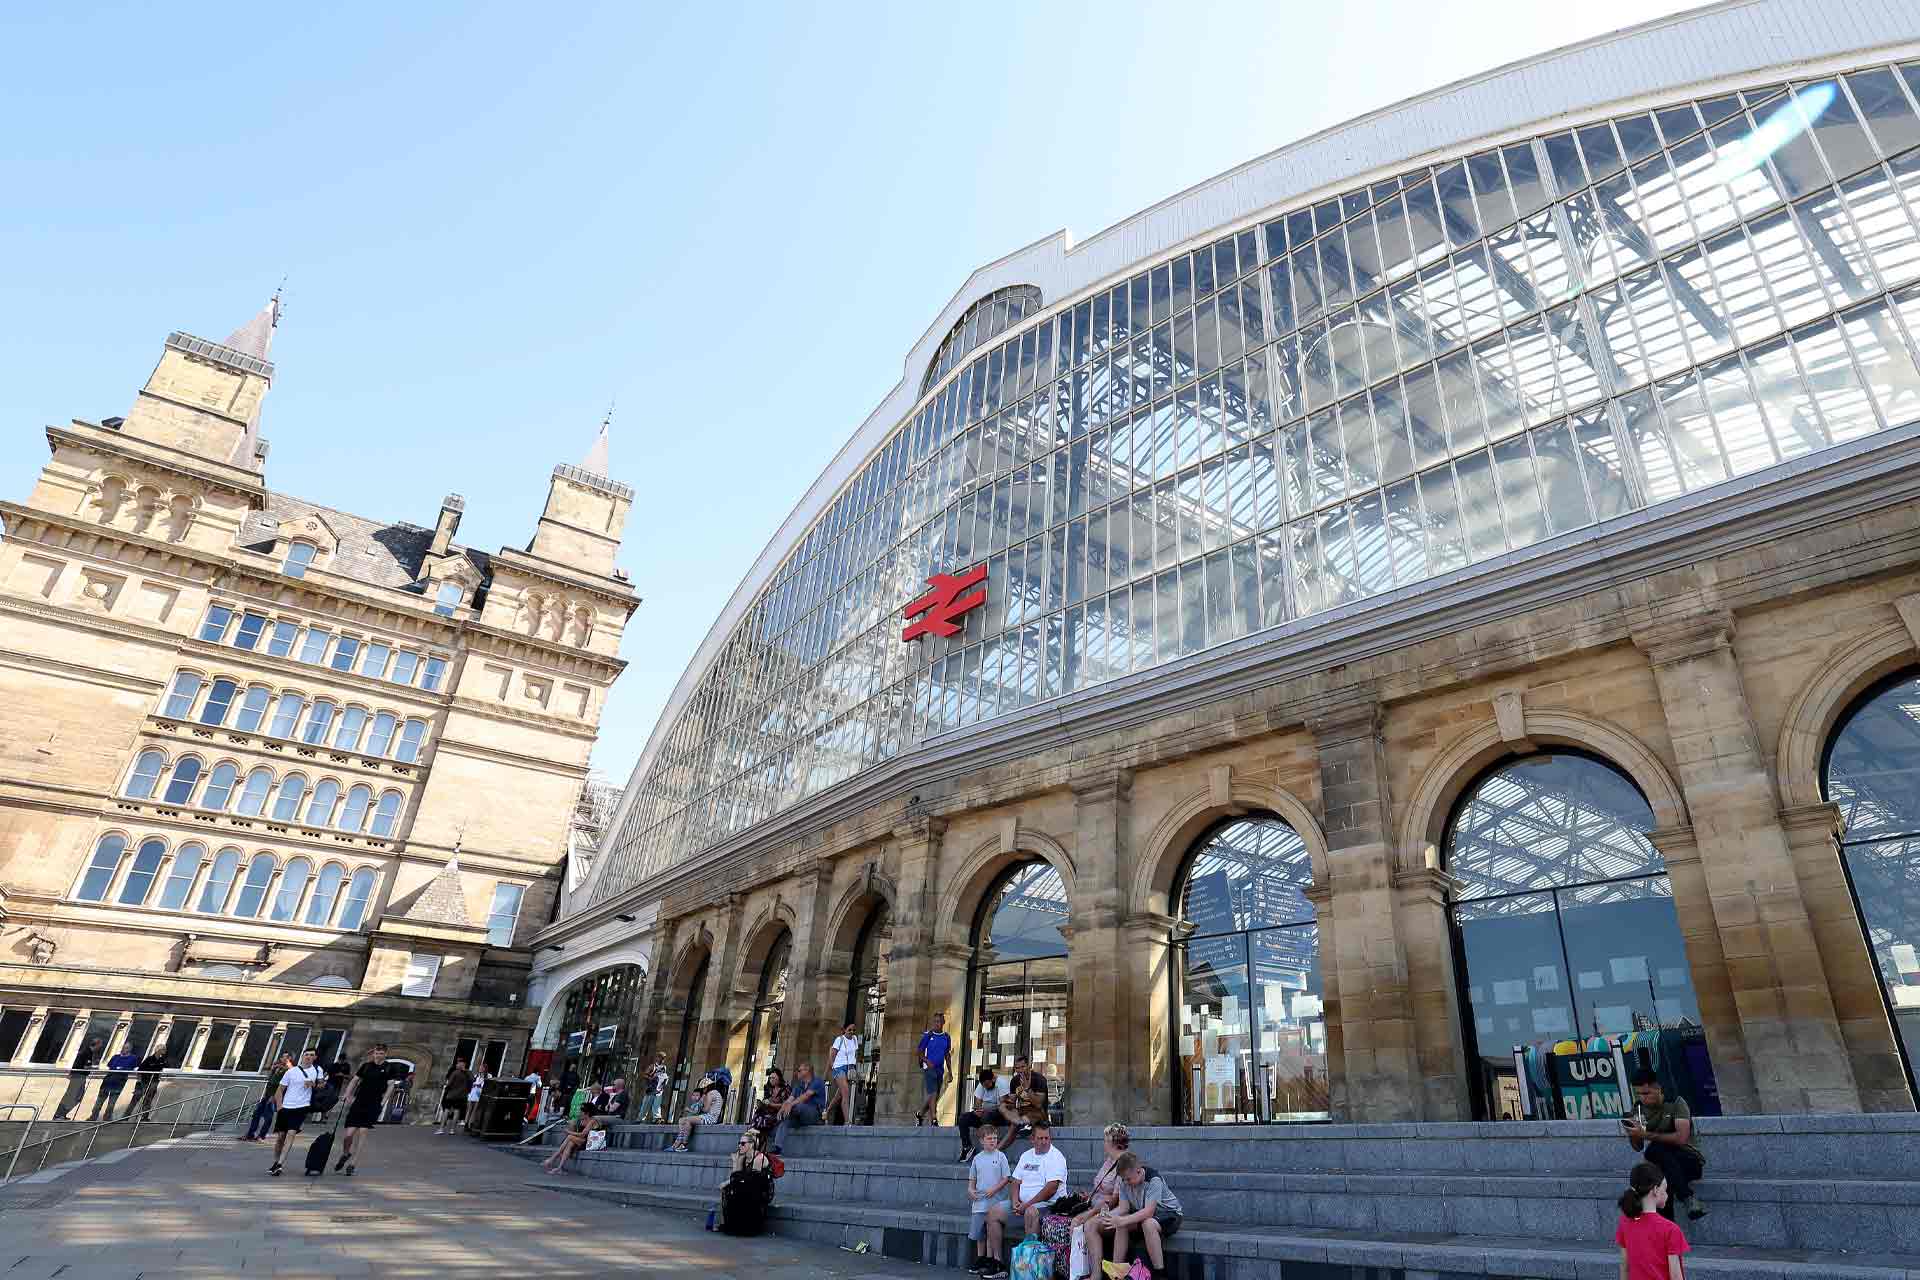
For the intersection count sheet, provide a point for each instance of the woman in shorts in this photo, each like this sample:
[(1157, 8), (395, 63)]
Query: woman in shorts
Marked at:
[(846, 1067)]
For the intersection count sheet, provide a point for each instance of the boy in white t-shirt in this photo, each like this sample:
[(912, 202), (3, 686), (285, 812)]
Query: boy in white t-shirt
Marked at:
[(987, 1179), (846, 1062)]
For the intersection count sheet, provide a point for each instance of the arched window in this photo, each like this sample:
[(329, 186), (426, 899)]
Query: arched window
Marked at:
[(326, 892), (179, 705), (145, 869), (253, 891), (286, 805), (146, 774), (286, 714), (689, 1026), (299, 557), (253, 708), (353, 817), (102, 868), (385, 816), (411, 735), (319, 720), (186, 774), (1565, 930), (181, 875), (1253, 1037), (213, 898), (326, 793), (763, 1029), (219, 701), (1873, 774), (220, 785), (1022, 991), (359, 893), (346, 733), (293, 886), (867, 994), (382, 735), (447, 599), (253, 796)]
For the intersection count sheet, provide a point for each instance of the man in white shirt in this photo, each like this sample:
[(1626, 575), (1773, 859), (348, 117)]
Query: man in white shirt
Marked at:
[(291, 1103), (1039, 1178)]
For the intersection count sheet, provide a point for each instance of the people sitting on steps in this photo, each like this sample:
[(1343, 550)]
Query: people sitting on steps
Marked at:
[(805, 1106), (1039, 1179), (703, 1108), (1026, 1100), (988, 1094), (1664, 1130), (1146, 1206), (575, 1141), (1105, 1191)]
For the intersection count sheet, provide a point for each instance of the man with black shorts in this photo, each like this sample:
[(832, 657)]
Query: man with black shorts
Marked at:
[(366, 1101), (291, 1102)]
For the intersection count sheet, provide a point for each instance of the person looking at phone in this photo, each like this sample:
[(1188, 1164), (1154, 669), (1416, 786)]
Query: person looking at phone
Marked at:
[(1663, 1131)]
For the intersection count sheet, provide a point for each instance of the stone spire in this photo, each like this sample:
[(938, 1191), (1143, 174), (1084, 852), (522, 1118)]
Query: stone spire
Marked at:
[(595, 463), (255, 337)]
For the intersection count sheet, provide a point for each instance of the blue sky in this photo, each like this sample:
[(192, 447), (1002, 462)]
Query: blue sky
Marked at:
[(495, 218)]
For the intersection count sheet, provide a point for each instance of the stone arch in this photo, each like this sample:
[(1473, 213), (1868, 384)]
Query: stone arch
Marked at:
[(554, 1005), (1172, 838), (1817, 708), (977, 873), (758, 939), (1423, 826), (686, 963), (855, 908)]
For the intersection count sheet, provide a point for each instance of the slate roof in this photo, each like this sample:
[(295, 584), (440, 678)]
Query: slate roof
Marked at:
[(375, 552)]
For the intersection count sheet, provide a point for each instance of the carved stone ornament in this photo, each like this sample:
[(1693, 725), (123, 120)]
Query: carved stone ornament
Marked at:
[(41, 948), (139, 504)]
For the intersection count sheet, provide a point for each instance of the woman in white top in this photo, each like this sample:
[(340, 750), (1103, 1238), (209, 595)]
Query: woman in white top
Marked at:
[(846, 1063)]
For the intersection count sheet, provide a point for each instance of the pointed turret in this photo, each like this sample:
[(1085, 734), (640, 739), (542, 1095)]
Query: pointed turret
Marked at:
[(255, 337), (203, 398), (595, 463), (585, 513)]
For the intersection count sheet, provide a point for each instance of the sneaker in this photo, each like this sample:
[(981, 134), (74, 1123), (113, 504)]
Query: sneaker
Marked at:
[(964, 1157), (1696, 1208), (979, 1267), (339, 1164), (273, 1170), (347, 1172), (996, 1269)]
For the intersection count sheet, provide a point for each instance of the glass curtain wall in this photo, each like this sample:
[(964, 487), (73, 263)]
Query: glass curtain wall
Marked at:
[(1022, 992), (1563, 919), (867, 1002), (1873, 774), (683, 1070), (1442, 367), (1253, 1036), (763, 1029), (596, 1031)]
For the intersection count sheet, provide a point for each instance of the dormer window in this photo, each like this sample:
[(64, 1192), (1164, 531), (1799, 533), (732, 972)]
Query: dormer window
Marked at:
[(299, 556), (447, 599)]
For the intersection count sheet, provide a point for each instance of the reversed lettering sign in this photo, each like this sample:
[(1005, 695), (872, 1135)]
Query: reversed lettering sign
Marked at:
[(949, 601)]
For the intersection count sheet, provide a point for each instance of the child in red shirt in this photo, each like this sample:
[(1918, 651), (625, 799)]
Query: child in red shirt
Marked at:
[(1650, 1246)]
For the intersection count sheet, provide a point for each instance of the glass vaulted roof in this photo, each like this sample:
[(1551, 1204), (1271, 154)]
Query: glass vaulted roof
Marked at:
[(1351, 396)]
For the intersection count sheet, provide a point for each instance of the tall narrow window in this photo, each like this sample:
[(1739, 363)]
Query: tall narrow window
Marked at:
[(146, 774), (252, 627), (422, 970), (293, 887), (382, 736), (180, 877), (253, 708), (299, 557), (405, 667), (504, 914), (385, 816), (186, 687), (326, 892), (140, 877), (101, 870), (320, 809), (220, 786), (359, 893), (219, 618), (373, 660), (352, 723), (408, 749), (436, 671), (344, 653), (253, 891), (354, 816), (313, 643), (186, 773), (319, 720), (213, 898), (284, 635), (286, 713), (219, 702), (253, 796), (447, 599), (286, 805)]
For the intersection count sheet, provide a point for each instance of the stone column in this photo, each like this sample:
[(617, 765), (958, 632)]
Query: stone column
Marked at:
[(1707, 968), (1426, 938), (911, 971), (1376, 1012), (1321, 896), (202, 1032), (803, 1036), (714, 1034), (1147, 1020), (1813, 839), (1105, 1058), (1779, 981)]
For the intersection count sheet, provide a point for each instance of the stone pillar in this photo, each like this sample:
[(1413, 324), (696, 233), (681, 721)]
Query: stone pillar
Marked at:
[(1366, 953), (1779, 982), (1148, 1020), (911, 971), (1707, 968), (77, 1037), (1321, 896), (803, 1035), (714, 1034), (1426, 939), (1105, 1058), (1813, 839), (202, 1032)]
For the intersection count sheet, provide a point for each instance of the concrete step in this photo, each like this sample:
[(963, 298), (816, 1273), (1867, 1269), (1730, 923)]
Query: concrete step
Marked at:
[(1209, 1250)]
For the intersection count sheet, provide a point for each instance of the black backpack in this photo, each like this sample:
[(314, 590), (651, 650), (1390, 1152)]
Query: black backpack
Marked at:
[(744, 1201), (326, 1094)]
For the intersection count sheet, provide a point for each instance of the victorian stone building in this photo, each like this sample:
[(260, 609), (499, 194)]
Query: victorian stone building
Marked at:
[(273, 774)]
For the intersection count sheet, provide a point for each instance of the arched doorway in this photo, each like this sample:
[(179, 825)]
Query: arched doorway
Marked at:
[(689, 1029), (867, 1002), (763, 1028), (1872, 772), (597, 1026), (1571, 962), (1253, 1038), (1020, 995)]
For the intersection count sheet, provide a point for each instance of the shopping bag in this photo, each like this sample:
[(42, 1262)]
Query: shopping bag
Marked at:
[(1032, 1260), (597, 1140), (1077, 1260)]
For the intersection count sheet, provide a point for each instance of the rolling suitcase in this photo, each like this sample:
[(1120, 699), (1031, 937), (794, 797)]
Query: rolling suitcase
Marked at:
[(317, 1154)]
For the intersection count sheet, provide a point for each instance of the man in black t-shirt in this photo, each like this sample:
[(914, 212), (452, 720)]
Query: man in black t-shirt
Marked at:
[(366, 1101), (83, 1065)]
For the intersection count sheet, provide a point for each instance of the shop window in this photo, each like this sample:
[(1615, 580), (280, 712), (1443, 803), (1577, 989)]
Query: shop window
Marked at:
[(1022, 993)]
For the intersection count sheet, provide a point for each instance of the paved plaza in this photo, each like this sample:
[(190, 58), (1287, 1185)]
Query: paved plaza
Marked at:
[(422, 1207)]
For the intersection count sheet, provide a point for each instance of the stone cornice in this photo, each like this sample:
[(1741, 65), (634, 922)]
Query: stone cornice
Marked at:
[(1677, 845), (1670, 640), (613, 590), (41, 664), (479, 751), (560, 658), (1815, 820), (97, 439)]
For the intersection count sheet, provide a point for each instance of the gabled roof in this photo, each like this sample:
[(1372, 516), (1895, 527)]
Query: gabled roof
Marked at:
[(377, 552)]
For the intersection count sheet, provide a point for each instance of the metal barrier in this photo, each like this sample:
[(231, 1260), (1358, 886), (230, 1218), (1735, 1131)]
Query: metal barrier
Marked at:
[(231, 1098), (58, 1091), (33, 1113)]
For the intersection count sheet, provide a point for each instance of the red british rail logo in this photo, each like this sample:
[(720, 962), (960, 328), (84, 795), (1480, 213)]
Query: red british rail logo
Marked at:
[(943, 605)]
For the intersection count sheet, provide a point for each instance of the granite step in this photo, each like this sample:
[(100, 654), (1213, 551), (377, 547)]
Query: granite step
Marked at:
[(1211, 1250)]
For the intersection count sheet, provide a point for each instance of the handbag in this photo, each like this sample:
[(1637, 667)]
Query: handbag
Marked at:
[(1077, 1261), (597, 1140), (1070, 1206)]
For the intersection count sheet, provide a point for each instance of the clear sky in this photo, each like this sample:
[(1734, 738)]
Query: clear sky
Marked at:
[(733, 220)]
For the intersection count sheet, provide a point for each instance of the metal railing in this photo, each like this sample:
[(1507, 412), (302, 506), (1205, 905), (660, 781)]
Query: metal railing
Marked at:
[(219, 1099), (33, 1113)]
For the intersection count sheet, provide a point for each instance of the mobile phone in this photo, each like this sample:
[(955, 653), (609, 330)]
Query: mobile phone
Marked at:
[(1626, 1122)]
